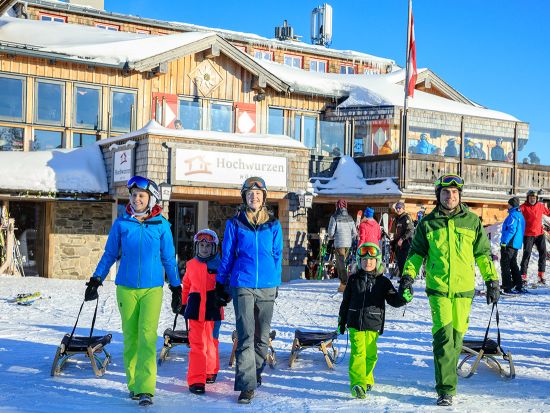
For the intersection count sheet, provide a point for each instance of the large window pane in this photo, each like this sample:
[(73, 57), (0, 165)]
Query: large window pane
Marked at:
[(11, 98), (122, 108), (220, 117), (439, 142), (49, 103), (487, 147), (297, 127), (83, 139), (47, 139), (276, 124), (310, 131), (87, 107), (11, 139), (332, 138), (190, 114)]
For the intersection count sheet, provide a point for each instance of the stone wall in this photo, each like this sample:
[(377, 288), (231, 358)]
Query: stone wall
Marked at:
[(77, 238)]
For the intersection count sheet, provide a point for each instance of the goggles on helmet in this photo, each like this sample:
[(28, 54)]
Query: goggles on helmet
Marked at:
[(203, 236), (450, 180), (369, 251), (138, 182), (254, 183)]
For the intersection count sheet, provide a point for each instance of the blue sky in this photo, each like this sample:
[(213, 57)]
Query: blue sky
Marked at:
[(496, 52)]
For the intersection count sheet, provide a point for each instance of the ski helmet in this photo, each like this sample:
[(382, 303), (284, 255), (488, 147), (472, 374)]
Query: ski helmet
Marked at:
[(254, 182), (369, 250), (147, 185), (206, 235), (446, 181), (532, 192)]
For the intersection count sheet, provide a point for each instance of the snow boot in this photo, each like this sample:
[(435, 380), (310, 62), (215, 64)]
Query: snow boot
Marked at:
[(521, 290), (197, 388), (246, 397), (211, 378), (358, 392), (133, 396), (445, 400), (524, 279), (541, 278), (145, 399)]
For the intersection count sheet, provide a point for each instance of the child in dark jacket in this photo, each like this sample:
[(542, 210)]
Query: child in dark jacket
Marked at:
[(362, 312), (203, 311)]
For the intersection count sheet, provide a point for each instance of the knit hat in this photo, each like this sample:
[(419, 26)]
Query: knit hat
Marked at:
[(399, 205), (369, 213), (514, 202), (341, 204)]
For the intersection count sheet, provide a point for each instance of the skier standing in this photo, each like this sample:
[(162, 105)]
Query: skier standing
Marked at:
[(404, 230), (143, 240), (450, 239), (369, 229), (342, 229), (252, 265), (511, 241)]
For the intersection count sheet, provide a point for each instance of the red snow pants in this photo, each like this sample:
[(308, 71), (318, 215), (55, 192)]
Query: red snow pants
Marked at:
[(203, 356)]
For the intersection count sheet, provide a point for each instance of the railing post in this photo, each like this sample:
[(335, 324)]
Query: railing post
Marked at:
[(515, 168), (403, 150), (462, 136)]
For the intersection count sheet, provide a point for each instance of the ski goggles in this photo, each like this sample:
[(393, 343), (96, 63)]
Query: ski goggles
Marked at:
[(254, 182), (369, 251), (138, 182), (450, 180), (204, 236)]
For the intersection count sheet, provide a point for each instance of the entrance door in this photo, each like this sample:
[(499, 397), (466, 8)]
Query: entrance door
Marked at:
[(185, 228), (29, 232)]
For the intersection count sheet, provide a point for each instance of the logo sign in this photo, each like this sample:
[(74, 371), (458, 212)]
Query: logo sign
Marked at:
[(122, 165), (228, 167)]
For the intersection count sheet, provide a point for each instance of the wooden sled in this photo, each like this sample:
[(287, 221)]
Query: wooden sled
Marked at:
[(173, 338), (271, 357), (91, 346), (319, 340)]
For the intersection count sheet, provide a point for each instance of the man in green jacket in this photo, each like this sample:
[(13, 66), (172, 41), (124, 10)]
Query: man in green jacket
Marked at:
[(452, 240)]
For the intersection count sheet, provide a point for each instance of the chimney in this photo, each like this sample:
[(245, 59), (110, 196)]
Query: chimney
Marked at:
[(96, 4)]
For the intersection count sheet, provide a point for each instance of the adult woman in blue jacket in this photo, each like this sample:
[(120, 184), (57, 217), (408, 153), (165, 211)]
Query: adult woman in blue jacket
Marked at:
[(143, 240), (511, 241), (251, 266)]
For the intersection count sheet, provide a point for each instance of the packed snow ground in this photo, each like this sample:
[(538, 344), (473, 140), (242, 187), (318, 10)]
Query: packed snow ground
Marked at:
[(29, 336)]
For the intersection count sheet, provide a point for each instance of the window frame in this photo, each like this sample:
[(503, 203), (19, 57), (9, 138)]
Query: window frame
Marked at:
[(285, 119), (202, 107), (99, 109), (311, 114), (82, 132), (46, 129), (348, 65), (23, 129), (143, 31), (107, 26), (209, 113), (262, 51), (318, 61), (52, 17), (37, 81), (23, 80), (293, 56), (133, 112)]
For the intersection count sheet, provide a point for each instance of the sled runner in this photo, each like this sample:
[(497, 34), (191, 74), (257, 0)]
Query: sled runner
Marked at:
[(488, 351), (91, 346), (173, 338), (319, 340), (271, 358)]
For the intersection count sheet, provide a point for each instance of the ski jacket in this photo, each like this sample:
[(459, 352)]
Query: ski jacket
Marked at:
[(404, 228), (252, 256), (497, 154), (145, 249), (341, 228), (199, 290), (424, 148), (364, 303), (533, 218), (369, 231), (513, 228), (451, 246)]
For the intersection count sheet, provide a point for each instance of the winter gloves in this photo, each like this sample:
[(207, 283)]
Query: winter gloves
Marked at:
[(176, 299), (222, 297), (405, 288), (493, 291), (341, 326), (91, 289)]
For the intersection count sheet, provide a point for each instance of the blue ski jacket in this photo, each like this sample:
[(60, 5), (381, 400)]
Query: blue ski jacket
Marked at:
[(513, 228), (252, 256), (145, 249)]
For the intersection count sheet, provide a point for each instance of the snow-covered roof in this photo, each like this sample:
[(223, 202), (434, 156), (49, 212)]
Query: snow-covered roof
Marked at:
[(348, 180), (79, 170), (154, 128), (372, 90)]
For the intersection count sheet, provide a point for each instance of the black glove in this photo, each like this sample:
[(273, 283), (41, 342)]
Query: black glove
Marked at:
[(182, 309), (493, 291), (405, 284), (222, 297), (176, 299), (91, 289), (341, 326)]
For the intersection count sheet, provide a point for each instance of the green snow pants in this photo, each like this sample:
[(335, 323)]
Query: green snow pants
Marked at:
[(450, 322), (140, 311), (363, 357)]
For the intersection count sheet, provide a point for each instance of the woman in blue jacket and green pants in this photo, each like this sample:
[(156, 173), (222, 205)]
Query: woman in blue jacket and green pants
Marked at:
[(142, 240), (251, 265)]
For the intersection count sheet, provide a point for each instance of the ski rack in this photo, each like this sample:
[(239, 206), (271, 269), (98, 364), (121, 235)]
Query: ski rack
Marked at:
[(320, 340), (271, 357), (173, 338)]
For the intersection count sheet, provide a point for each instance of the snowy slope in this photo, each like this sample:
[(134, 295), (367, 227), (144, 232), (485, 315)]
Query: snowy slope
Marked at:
[(404, 374)]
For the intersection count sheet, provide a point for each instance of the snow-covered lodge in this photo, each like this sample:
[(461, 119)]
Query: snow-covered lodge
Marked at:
[(310, 119)]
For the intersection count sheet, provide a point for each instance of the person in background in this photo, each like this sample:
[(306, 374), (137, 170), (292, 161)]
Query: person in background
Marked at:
[(404, 230), (386, 148), (469, 149), (533, 211), (451, 149), (511, 241), (178, 124), (497, 152), (342, 229), (143, 240), (480, 153), (533, 158), (424, 147), (369, 229)]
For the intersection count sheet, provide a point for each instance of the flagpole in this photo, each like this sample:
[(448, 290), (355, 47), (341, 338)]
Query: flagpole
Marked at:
[(404, 120)]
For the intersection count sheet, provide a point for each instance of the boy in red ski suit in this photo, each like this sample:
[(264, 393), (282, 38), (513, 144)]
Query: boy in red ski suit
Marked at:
[(203, 311)]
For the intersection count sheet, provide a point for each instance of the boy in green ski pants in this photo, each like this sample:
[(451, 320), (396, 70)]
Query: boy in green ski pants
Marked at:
[(362, 311)]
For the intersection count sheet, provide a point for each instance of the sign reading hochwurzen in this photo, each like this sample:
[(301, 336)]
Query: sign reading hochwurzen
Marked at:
[(228, 167), (122, 165)]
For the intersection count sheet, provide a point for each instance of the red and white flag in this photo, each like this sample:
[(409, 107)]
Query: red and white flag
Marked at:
[(411, 57)]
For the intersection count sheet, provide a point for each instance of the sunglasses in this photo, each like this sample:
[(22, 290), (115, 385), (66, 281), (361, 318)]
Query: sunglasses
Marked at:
[(450, 180), (369, 251), (254, 182)]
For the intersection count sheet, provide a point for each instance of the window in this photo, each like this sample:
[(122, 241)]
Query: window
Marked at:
[(297, 128), (52, 18), (122, 110), (143, 31), (347, 70), (293, 61), (49, 102), (11, 139), (276, 122), (305, 129), (370, 71), (439, 142), (221, 117), (12, 92), (318, 66), (87, 106), (106, 26), (83, 139), (332, 138), (47, 139), (190, 114), (263, 54)]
